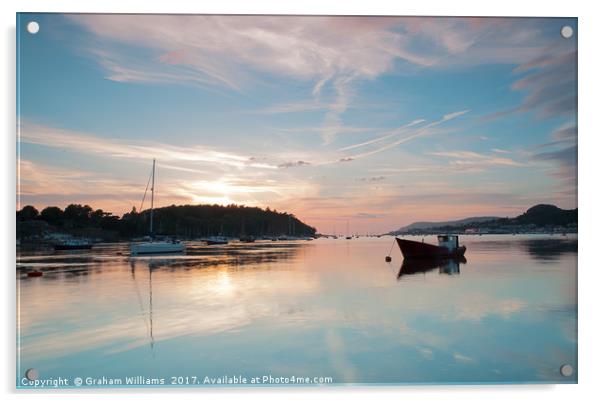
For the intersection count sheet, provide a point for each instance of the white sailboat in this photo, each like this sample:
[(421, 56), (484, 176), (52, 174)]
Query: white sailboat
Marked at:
[(153, 246)]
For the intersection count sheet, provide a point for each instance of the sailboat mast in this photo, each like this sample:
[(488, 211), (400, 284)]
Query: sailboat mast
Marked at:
[(152, 200)]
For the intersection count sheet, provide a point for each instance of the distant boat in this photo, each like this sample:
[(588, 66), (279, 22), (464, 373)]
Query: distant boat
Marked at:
[(290, 238), (448, 247), (153, 246), (347, 234), (215, 240), (74, 244)]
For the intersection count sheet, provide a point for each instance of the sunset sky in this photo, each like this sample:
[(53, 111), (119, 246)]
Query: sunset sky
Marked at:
[(379, 121)]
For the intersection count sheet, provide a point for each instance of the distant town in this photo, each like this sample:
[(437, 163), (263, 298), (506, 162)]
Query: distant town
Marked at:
[(541, 218)]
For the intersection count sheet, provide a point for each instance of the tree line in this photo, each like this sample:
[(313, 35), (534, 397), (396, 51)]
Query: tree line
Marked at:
[(190, 221)]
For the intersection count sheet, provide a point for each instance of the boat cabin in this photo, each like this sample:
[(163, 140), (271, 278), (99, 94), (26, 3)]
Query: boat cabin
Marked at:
[(450, 242)]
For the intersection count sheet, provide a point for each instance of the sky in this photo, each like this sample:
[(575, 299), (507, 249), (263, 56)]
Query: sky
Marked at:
[(375, 121)]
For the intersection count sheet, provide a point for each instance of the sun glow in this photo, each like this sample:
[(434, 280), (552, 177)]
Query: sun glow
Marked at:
[(252, 191), (222, 284)]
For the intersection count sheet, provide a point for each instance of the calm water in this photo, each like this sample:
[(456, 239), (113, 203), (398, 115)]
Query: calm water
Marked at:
[(324, 308)]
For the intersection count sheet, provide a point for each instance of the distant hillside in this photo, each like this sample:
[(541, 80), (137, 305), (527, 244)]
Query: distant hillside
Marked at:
[(538, 216), (460, 222)]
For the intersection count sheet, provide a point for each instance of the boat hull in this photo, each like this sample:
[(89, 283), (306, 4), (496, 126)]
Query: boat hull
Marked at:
[(414, 249), (157, 248), (216, 242)]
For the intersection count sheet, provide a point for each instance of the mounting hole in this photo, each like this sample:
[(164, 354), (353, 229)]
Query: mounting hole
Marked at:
[(33, 27), (32, 374), (566, 370), (566, 32)]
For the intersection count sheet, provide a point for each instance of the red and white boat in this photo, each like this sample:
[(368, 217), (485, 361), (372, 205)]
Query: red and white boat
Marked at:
[(448, 247)]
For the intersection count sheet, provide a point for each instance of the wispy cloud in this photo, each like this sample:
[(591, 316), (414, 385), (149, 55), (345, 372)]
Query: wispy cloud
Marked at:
[(475, 159), (294, 164), (560, 155), (215, 47), (412, 134), (549, 82), (292, 107), (43, 184), (564, 161), (567, 132), (231, 189), (141, 150), (372, 179), (389, 134), (203, 175), (233, 51), (319, 129), (552, 85)]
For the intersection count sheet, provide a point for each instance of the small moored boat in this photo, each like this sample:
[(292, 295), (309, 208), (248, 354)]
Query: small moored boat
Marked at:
[(215, 240), (157, 247), (448, 247), (247, 239)]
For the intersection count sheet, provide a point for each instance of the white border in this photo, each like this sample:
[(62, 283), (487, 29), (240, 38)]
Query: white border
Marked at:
[(590, 277)]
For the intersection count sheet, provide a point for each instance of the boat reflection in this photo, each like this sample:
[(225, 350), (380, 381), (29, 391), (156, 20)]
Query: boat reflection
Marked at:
[(550, 249), (149, 323), (449, 266)]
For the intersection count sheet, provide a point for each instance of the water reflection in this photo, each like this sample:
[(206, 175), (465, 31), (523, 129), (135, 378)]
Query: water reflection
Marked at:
[(326, 307), (544, 248), (550, 249), (449, 266), (56, 264)]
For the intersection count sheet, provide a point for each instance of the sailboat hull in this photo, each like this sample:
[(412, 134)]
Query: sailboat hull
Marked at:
[(157, 248), (214, 241)]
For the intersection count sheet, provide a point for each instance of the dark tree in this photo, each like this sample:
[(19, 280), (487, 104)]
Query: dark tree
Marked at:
[(52, 215), (77, 212), (27, 213)]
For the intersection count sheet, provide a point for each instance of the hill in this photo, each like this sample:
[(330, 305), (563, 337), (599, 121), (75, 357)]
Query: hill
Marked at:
[(545, 214)]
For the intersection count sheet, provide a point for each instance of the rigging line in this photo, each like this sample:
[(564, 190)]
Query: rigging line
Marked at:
[(145, 191), (391, 249)]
